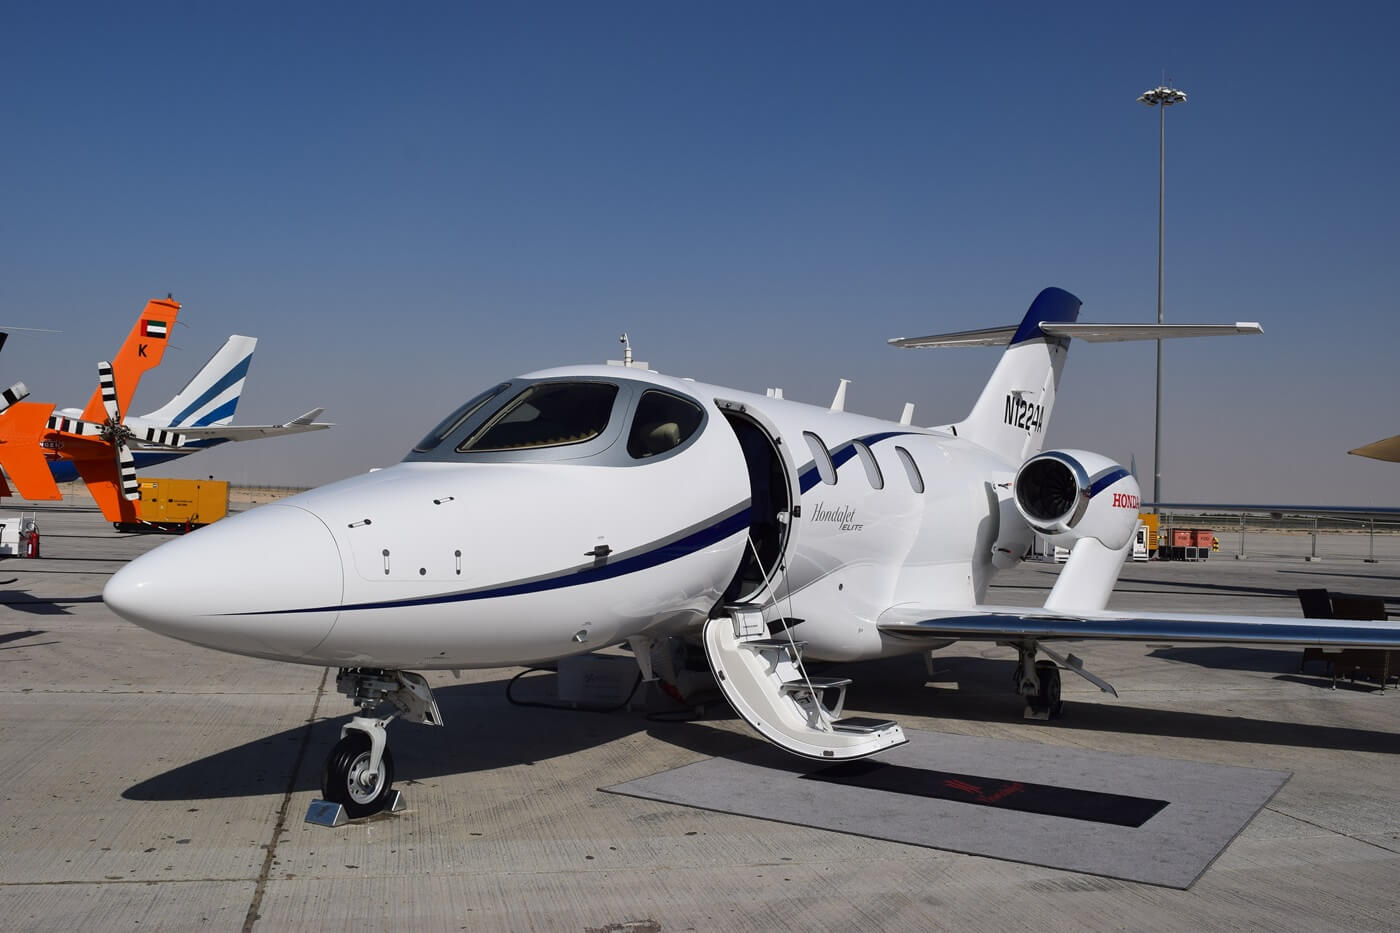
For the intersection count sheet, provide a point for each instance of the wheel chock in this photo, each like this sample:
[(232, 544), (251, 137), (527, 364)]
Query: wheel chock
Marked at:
[(326, 813)]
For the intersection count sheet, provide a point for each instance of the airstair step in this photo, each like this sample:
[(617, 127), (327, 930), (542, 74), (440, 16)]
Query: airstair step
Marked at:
[(743, 607), (862, 725), (782, 704), (816, 683), (763, 643)]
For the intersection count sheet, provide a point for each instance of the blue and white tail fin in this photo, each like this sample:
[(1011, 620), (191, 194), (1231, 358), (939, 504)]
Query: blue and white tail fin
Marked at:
[(1012, 412), (212, 395)]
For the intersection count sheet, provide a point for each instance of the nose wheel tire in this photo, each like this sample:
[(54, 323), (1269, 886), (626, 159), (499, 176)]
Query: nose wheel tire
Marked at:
[(349, 782)]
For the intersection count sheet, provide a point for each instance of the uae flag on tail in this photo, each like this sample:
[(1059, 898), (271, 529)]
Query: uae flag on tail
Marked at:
[(150, 328)]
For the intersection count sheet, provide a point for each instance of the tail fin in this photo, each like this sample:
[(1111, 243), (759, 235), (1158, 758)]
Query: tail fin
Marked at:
[(212, 395), (143, 349), (1014, 408)]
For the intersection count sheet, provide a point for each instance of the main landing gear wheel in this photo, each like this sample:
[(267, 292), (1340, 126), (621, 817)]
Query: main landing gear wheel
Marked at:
[(1046, 700), (349, 782)]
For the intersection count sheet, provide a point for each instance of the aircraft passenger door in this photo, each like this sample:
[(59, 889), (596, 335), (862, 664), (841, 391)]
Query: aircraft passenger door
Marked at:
[(772, 485)]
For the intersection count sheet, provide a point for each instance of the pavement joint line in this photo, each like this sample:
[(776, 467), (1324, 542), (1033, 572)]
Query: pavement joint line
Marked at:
[(1329, 830), (251, 917), (71, 882)]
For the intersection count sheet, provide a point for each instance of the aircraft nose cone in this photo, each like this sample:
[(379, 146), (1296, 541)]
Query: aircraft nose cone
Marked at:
[(266, 583)]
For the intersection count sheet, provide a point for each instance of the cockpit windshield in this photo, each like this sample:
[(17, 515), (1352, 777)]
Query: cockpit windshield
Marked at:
[(547, 414), (455, 420)]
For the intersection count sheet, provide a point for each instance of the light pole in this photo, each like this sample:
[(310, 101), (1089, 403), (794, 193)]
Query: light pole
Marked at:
[(1162, 97)]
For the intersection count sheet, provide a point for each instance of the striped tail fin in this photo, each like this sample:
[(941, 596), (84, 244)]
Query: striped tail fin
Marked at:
[(211, 397)]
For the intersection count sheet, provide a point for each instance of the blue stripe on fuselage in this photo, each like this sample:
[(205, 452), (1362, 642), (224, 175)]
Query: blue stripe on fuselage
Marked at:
[(725, 527)]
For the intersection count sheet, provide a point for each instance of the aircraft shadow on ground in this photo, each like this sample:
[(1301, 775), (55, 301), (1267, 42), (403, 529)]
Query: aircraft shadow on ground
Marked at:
[(484, 731), (16, 601), (985, 694), (8, 637)]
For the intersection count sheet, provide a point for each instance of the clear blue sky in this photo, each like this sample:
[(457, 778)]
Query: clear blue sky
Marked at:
[(405, 202)]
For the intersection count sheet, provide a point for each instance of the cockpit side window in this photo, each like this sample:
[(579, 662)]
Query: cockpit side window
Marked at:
[(547, 414), (459, 417), (663, 422)]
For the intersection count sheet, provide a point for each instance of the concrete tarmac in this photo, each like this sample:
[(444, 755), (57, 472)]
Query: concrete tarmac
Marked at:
[(152, 785)]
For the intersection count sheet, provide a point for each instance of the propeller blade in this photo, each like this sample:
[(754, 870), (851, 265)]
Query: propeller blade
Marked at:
[(126, 463), (108, 383), (13, 394), (73, 426), (163, 438)]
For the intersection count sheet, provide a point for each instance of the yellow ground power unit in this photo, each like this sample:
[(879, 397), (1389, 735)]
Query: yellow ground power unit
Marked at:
[(179, 505)]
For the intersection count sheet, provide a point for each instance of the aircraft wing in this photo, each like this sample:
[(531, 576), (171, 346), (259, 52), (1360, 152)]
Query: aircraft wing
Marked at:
[(1019, 623), (248, 432)]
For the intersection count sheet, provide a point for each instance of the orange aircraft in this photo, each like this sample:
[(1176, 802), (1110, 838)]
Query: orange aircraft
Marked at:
[(98, 444)]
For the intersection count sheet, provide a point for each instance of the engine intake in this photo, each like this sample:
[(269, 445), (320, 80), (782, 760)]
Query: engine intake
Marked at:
[(1073, 494)]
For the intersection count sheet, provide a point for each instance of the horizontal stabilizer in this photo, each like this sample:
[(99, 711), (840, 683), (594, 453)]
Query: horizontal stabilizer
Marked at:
[(22, 427), (1113, 333), (248, 432), (1094, 333), (1016, 623), (986, 337)]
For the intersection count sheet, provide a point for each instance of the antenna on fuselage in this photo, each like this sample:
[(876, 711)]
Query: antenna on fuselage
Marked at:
[(627, 360), (839, 402)]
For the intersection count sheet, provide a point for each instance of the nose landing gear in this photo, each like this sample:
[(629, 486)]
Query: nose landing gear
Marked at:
[(359, 773), (352, 777)]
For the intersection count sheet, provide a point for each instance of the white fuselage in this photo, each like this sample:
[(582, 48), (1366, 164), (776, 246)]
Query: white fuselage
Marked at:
[(454, 560)]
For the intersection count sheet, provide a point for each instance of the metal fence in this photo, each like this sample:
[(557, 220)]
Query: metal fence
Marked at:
[(1294, 535)]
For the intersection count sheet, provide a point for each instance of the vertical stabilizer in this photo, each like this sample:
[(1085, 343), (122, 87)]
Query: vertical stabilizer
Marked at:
[(212, 395), (1013, 411), (143, 349)]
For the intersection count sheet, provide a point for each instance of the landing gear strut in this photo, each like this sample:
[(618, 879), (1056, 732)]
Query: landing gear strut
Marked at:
[(1039, 683), (359, 771)]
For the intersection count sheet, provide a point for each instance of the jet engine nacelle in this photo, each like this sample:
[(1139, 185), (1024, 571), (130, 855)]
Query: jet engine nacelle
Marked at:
[(1073, 494)]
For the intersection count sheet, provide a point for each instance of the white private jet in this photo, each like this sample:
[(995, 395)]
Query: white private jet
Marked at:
[(578, 508)]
